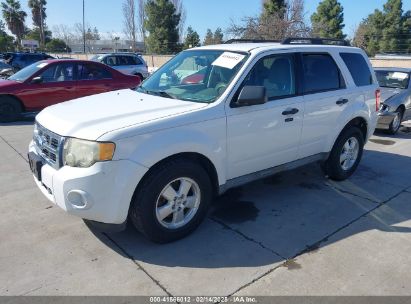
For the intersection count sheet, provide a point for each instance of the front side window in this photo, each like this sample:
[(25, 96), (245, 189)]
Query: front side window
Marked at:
[(358, 68), (198, 75), (90, 71), (321, 73), (393, 79), (276, 74), (58, 73)]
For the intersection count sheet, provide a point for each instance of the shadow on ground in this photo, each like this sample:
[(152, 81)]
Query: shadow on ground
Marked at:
[(280, 217)]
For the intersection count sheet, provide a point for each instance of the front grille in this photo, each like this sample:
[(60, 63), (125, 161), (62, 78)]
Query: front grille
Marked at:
[(48, 145)]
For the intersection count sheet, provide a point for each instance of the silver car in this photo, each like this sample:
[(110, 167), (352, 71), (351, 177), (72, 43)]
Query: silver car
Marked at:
[(395, 98), (126, 63)]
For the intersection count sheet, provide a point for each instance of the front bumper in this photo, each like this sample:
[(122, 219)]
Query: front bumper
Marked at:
[(385, 119), (101, 193)]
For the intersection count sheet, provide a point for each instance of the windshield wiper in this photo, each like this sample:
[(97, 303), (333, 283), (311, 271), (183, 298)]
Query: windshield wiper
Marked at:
[(159, 93), (164, 94)]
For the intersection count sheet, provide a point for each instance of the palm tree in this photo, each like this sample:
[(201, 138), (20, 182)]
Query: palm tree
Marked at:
[(14, 17), (38, 11)]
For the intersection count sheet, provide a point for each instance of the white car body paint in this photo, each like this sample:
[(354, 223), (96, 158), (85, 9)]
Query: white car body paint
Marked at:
[(237, 141)]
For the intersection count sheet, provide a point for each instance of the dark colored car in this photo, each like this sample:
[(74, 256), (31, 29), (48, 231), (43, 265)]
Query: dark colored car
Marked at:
[(21, 60), (52, 81)]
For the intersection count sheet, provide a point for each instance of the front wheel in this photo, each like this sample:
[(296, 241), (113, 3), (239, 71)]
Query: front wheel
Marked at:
[(10, 109), (345, 155), (172, 201)]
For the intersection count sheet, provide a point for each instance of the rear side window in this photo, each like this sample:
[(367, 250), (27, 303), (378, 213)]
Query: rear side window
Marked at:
[(90, 71), (321, 74), (358, 68)]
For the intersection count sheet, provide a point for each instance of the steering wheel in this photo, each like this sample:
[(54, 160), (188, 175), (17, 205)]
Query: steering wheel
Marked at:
[(220, 88)]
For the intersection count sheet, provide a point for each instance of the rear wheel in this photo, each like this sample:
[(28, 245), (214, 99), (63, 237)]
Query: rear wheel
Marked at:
[(10, 109), (172, 201), (345, 155), (396, 122)]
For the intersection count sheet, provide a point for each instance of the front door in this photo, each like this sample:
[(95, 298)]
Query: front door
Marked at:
[(264, 136), (54, 85)]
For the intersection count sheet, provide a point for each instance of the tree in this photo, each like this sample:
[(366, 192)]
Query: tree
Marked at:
[(209, 38), (274, 7), (161, 23), (192, 38), (392, 29), (218, 36), (273, 26), (140, 19), (385, 31), (64, 33), (14, 17), (6, 41), (180, 10), (35, 34), (130, 26), (57, 45), (38, 12), (328, 21)]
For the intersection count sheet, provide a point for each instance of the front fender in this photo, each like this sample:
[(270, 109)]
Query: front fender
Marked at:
[(149, 149)]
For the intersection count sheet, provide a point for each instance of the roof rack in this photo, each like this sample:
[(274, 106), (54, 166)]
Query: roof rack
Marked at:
[(319, 41), (232, 41)]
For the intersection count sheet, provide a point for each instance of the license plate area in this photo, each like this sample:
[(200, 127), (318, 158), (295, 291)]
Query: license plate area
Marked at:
[(36, 163)]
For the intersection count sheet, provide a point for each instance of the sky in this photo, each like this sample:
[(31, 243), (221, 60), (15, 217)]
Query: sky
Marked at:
[(106, 15)]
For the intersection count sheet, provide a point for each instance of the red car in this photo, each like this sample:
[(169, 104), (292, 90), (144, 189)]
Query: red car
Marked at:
[(49, 82)]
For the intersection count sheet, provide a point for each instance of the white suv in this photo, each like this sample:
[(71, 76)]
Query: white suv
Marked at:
[(158, 155)]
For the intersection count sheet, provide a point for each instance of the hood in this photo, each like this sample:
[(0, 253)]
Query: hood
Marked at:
[(387, 93), (4, 83), (91, 117)]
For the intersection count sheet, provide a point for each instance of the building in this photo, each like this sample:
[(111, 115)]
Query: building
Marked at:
[(105, 46)]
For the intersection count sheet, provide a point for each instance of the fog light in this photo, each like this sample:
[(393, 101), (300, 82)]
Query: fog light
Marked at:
[(79, 199)]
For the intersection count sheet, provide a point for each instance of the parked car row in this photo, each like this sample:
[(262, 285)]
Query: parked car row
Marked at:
[(48, 82)]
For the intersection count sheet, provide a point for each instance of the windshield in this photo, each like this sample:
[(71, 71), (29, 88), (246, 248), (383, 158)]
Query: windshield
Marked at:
[(28, 71), (393, 79), (198, 76)]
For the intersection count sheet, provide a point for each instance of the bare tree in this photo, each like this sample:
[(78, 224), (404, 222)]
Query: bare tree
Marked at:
[(140, 19), (130, 28), (274, 26), (178, 4), (64, 33)]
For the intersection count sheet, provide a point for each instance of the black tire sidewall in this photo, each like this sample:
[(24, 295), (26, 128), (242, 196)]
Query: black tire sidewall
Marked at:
[(143, 212), (391, 130), (14, 104), (333, 166)]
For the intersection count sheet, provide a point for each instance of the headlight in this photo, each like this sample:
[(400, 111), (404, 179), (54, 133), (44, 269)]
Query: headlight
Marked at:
[(84, 153), (384, 108)]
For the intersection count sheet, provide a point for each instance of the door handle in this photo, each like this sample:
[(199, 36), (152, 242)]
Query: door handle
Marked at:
[(342, 101), (290, 111)]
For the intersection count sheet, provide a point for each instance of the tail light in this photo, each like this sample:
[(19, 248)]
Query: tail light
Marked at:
[(377, 100)]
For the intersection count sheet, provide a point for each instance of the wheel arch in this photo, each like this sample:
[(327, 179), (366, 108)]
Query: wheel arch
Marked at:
[(204, 161), (23, 108)]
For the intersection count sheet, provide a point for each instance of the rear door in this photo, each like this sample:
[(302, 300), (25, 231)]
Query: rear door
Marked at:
[(93, 78), (325, 98), (57, 85)]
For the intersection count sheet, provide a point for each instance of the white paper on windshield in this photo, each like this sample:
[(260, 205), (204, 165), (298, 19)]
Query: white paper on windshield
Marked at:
[(399, 75), (228, 60), (42, 65)]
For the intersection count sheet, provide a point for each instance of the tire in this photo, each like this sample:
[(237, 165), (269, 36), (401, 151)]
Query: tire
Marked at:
[(10, 109), (396, 123), (146, 213), (335, 167)]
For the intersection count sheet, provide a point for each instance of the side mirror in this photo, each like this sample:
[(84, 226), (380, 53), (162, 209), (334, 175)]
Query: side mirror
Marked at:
[(251, 95), (37, 80)]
